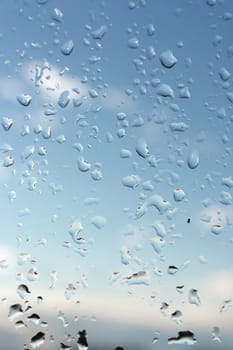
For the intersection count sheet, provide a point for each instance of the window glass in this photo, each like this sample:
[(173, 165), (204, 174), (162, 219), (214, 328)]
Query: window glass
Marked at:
[(116, 174)]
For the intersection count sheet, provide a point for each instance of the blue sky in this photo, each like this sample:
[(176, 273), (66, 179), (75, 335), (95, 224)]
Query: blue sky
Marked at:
[(116, 105)]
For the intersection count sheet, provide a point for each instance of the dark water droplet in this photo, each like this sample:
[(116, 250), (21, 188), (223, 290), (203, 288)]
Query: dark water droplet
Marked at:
[(37, 340), (82, 343), (184, 338)]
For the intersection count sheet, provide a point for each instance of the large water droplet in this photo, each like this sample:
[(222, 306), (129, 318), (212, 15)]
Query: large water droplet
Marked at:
[(183, 338), (8, 161), (133, 43), (24, 99), (193, 159), (138, 278), (6, 123), (37, 340), (82, 343), (34, 319), (99, 221), (15, 311), (83, 165), (131, 181), (64, 99), (23, 291), (125, 255), (165, 90), (193, 297), (99, 33), (67, 47), (142, 148), (167, 59)]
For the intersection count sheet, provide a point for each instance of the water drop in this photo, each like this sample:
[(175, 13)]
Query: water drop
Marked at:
[(15, 311), (193, 159), (157, 243), (216, 336), (34, 319), (82, 343), (172, 270), (224, 74), (183, 338), (133, 43), (32, 275), (67, 47), (57, 15), (193, 297), (23, 291), (138, 278), (96, 174), (64, 99), (99, 33), (65, 347), (37, 340), (176, 317), (125, 255), (8, 161), (225, 198), (178, 126), (165, 90), (6, 123), (142, 148), (83, 165), (99, 221), (159, 228), (216, 229), (178, 194), (167, 59), (24, 99), (131, 181), (150, 29)]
